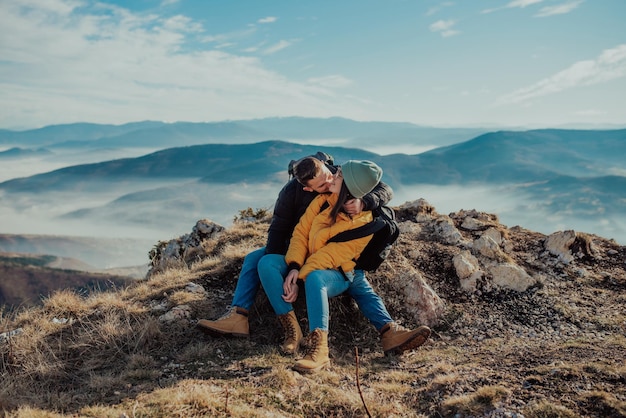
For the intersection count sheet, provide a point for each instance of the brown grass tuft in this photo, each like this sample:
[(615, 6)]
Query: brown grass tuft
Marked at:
[(477, 403), (546, 409)]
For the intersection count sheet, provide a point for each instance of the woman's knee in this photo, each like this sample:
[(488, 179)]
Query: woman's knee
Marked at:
[(330, 282), (315, 280)]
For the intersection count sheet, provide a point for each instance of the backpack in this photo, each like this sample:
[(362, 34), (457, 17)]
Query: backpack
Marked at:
[(322, 156), (385, 229)]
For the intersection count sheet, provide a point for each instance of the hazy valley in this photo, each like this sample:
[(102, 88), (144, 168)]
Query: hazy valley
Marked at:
[(124, 188)]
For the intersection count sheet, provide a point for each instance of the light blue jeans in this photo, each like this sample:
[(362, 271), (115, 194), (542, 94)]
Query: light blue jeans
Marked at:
[(319, 286)]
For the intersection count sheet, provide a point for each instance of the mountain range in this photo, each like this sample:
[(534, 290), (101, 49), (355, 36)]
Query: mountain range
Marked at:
[(572, 179), (151, 134)]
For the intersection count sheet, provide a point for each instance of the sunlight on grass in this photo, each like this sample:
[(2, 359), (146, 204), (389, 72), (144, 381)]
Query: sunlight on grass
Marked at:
[(546, 409), (475, 403)]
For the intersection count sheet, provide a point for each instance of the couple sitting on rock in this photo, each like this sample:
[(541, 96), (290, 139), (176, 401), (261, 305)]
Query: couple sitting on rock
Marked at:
[(320, 201)]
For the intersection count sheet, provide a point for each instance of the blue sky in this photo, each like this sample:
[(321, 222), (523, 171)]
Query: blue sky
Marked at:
[(526, 63)]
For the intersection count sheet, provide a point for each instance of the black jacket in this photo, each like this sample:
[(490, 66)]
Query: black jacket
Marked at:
[(292, 203)]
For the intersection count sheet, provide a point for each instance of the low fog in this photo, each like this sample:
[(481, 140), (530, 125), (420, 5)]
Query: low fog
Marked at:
[(145, 213), (150, 222), (380, 148), (11, 168), (512, 207)]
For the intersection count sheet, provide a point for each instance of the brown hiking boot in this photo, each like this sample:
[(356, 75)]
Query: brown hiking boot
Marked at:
[(396, 339), (293, 333), (316, 353), (234, 323)]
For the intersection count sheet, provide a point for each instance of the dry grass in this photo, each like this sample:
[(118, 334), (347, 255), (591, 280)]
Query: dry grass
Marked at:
[(109, 354), (478, 403)]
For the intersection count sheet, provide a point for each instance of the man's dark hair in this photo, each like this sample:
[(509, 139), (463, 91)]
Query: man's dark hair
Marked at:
[(307, 169)]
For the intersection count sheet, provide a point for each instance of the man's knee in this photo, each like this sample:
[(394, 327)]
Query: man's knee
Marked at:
[(271, 260), (254, 256)]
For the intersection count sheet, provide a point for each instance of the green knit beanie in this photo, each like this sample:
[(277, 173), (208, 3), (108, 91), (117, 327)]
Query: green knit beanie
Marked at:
[(361, 176)]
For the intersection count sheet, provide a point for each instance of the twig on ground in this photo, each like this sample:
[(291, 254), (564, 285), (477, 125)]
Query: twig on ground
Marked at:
[(226, 402), (358, 384)]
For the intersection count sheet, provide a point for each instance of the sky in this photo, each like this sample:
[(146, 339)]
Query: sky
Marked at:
[(522, 63)]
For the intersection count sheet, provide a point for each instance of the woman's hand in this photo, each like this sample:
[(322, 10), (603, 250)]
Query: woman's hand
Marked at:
[(290, 286)]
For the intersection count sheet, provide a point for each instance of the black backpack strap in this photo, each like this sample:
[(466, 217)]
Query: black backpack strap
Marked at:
[(360, 232)]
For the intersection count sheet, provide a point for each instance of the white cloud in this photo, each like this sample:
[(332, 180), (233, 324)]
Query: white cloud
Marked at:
[(444, 27), (522, 3), (279, 46), (610, 65), (559, 9), (332, 81), (435, 9), (42, 7), (224, 38), (269, 19), (591, 112), (181, 24), (61, 64), (514, 4)]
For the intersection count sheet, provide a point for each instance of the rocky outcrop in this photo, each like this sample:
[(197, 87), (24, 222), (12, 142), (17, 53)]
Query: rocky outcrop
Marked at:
[(184, 249), (478, 243), (568, 245), (470, 250)]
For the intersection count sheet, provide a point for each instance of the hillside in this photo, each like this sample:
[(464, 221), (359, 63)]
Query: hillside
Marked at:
[(525, 325), (27, 278), (213, 163)]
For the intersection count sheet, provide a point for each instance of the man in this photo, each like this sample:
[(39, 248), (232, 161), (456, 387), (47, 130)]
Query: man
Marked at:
[(291, 204)]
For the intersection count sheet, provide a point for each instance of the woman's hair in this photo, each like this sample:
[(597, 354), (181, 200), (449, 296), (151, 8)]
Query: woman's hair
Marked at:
[(343, 197), (306, 169)]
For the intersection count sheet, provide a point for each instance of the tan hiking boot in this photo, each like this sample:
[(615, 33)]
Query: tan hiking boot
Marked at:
[(317, 353), (234, 323), (293, 333), (396, 339)]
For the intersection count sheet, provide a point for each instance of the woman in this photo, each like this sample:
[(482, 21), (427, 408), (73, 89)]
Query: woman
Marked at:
[(326, 268)]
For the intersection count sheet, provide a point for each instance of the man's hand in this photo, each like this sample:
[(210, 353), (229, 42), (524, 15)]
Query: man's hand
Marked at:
[(353, 206), (290, 286)]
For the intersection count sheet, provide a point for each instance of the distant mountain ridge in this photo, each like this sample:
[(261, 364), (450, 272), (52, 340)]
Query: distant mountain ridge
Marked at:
[(495, 157), (220, 163), (17, 152), (70, 132), (548, 158), (567, 174), (568, 152), (165, 135)]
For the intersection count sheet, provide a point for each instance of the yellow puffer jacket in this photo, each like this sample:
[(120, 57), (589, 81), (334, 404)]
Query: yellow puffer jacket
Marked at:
[(308, 247)]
